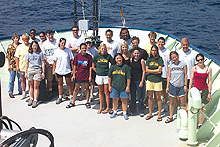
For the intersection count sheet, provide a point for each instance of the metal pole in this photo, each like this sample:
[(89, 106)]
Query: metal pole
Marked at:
[(94, 17), (75, 13), (0, 103), (97, 15)]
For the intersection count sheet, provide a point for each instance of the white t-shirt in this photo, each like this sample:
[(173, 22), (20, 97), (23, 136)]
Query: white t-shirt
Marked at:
[(48, 49), (36, 39), (112, 47), (74, 42), (93, 51), (130, 46), (189, 59), (62, 58), (165, 54)]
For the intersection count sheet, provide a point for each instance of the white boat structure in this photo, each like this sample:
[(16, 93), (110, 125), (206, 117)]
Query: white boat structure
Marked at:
[(81, 127)]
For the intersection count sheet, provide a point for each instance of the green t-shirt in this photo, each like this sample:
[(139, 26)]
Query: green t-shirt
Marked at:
[(154, 65), (119, 76), (102, 64)]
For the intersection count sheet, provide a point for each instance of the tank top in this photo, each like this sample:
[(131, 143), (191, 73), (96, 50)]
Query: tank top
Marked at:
[(200, 80), (136, 70)]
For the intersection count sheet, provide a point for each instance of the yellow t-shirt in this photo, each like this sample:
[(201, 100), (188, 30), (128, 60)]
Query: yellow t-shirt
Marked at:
[(147, 47), (20, 53)]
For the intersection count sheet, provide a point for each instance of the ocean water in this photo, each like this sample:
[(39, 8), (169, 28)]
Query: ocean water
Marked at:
[(172, 16)]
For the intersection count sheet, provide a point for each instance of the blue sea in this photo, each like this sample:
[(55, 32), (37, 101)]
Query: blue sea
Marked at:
[(177, 17)]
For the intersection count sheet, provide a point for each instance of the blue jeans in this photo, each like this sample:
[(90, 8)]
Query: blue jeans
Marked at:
[(135, 88), (12, 75)]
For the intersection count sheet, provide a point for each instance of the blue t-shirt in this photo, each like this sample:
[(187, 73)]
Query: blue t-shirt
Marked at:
[(34, 59)]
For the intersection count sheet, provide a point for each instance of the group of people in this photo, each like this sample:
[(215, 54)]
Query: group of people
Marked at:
[(120, 68)]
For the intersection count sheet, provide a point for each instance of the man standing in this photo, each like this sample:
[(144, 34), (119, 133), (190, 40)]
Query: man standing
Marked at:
[(152, 36), (74, 41), (188, 56), (125, 36), (48, 48), (32, 35), (164, 53), (112, 45)]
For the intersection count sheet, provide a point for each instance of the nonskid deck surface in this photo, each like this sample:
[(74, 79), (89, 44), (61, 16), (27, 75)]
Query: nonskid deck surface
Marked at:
[(79, 126)]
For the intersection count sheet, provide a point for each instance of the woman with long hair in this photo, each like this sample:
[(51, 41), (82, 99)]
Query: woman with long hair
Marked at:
[(125, 53), (34, 71), (154, 66), (200, 74), (101, 66)]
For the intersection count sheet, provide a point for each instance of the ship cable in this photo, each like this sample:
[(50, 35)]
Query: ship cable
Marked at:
[(205, 24), (122, 15)]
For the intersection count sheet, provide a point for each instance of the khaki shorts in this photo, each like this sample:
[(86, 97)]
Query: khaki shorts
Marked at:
[(204, 95), (34, 74), (154, 86), (49, 73)]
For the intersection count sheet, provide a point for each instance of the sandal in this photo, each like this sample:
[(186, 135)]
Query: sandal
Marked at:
[(105, 111), (88, 105), (110, 112), (148, 117), (99, 111), (169, 119), (70, 105), (159, 119)]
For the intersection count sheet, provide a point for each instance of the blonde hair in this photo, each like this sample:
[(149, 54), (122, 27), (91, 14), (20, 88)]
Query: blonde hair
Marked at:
[(185, 40), (125, 44), (152, 34), (25, 36), (102, 45)]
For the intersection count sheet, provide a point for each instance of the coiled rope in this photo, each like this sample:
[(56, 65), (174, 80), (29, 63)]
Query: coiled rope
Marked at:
[(205, 24)]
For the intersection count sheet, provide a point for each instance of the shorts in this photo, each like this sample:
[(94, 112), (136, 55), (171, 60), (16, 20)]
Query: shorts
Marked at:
[(49, 73), (164, 83), (66, 75), (119, 94), (81, 81), (176, 91), (154, 86), (93, 74), (100, 80), (204, 95), (34, 74)]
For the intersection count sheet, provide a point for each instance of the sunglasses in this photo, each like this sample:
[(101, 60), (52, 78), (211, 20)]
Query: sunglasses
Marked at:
[(42, 36), (200, 60), (88, 42), (74, 30)]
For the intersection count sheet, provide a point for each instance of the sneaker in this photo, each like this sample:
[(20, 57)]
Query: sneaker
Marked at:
[(23, 97), (30, 101), (141, 114), (59, 100), (11, 95), (113, 115), (165, 108), (125, 116), (34, 105)]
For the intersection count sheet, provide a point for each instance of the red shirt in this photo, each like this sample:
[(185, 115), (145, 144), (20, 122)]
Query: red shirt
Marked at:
[(83, 64), (200, 80)]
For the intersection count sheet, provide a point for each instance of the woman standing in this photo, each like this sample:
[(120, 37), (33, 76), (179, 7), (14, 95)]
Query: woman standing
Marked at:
[(200, 74), (62, 60), (176, 82), (154, 66), (137, 82), (125, 53), (119, 84), (12, 65), (34, 71), (101, 66), (20, 54), (82, 72)]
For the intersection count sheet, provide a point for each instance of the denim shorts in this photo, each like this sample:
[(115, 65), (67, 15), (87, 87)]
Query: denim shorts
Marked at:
[(176, 91), (119, 94)]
